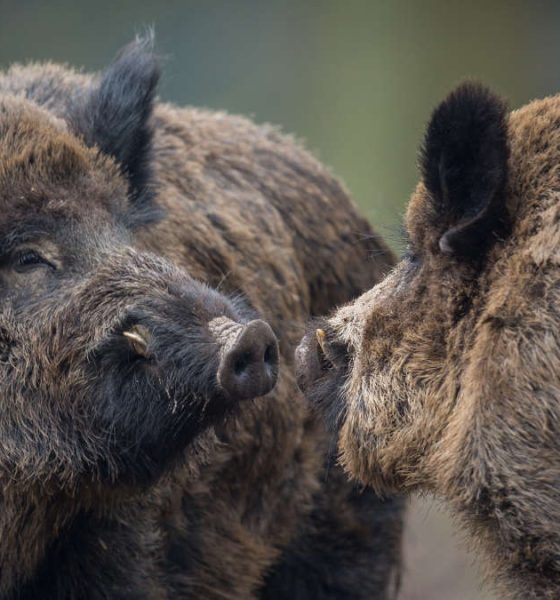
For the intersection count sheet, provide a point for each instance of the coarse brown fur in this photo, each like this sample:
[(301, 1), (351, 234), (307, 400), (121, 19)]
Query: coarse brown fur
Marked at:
[(449, 368), (126, 471)]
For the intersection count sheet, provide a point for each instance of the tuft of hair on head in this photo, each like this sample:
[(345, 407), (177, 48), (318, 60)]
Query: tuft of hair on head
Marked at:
[(116, 115), (464, 167)]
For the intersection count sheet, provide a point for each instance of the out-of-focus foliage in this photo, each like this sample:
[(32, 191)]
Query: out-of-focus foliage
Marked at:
[(356, 79)]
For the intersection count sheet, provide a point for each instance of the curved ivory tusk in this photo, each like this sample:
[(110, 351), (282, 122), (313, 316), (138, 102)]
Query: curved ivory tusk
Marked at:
[(138, 337)]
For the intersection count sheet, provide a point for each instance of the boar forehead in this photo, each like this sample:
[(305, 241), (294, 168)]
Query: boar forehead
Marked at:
[(46, 170)]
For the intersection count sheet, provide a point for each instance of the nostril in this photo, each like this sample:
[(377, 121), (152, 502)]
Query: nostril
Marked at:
[(270, 354), (242, 363)]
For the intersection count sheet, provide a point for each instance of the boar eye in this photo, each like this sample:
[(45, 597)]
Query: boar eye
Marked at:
[(26, 260)]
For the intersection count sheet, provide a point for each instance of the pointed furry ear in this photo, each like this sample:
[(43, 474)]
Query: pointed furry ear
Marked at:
[(464, 167), (116, 115)]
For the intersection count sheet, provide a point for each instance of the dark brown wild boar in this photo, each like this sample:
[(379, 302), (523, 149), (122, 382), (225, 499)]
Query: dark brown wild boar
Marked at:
[(444, 377), (156, 267)]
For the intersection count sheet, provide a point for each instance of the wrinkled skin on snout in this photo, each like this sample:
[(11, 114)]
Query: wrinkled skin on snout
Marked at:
[(112, 360), (444, 377)]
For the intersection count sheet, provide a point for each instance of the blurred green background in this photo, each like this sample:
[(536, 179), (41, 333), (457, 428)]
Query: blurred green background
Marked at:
[(356, 79)]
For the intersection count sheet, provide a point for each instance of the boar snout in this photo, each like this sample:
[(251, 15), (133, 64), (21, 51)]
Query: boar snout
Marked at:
[(239, 359), (248, 365)]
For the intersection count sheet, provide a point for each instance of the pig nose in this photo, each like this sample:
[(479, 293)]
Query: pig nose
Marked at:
[(249, 367)]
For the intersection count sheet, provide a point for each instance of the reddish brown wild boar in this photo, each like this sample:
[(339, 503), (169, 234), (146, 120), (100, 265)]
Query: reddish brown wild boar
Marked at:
[(444, 378), (156, 266)]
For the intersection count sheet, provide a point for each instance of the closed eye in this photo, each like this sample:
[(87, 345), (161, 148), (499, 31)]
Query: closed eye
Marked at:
[(28, 259)]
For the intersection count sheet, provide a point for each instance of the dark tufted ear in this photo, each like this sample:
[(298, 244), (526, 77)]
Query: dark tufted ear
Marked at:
[(464, 166), (116, 116)]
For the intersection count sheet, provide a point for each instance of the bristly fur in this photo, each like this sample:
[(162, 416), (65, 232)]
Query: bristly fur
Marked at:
[(128, 473), (454, 384), (464, 167)]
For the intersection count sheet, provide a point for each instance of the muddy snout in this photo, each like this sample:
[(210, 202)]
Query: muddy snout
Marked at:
[(248, 361)]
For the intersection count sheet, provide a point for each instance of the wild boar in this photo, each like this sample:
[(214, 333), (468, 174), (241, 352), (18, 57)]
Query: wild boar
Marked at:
[(157, 265), (443, 378)]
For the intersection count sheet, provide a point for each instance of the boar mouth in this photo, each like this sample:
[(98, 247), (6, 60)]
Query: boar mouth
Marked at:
[(226, 359), (173, 400), (322, 367), (198, 373)]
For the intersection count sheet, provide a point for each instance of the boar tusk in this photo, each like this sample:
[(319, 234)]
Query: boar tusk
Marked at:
[(138, 337), (325, 351), (321, 339)]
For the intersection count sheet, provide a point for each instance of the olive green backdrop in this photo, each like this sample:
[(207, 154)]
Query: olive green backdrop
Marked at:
[(356, 79)]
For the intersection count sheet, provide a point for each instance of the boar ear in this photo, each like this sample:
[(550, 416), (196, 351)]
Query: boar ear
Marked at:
[(464, 167), (116, 115)]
